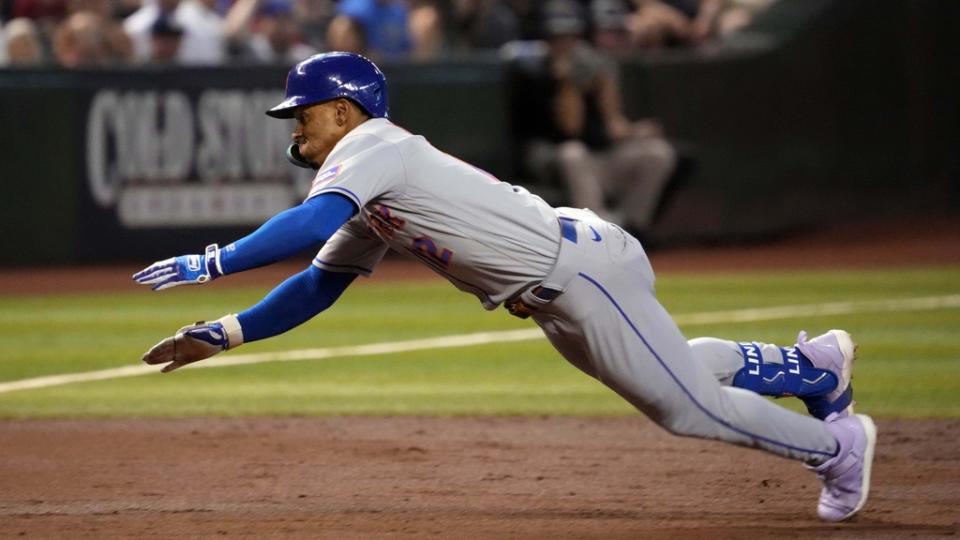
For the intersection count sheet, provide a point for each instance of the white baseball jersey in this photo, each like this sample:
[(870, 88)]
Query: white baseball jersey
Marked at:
[(485, 236), (496, 241)]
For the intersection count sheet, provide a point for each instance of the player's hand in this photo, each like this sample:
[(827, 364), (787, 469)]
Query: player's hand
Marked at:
[(195, 342), (182, 270)]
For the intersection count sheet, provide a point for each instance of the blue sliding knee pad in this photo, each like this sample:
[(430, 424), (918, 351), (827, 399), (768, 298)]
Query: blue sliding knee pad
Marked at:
[(795, 377)]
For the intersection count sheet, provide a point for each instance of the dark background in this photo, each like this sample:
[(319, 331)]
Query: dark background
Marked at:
[(822, 111)]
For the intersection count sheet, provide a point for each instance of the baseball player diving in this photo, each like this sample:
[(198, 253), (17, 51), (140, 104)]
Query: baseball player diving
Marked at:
[(586, 282)]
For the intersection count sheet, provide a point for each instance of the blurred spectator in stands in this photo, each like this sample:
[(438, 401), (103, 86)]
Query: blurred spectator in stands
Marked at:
[(663, 23), (204, 40), (166, 38), (119, 45), (580, 133), (390, 28), (426, 28), (80, 42), (46, 14), (347, 34), (313, 17), (609, 20), (121, 9), (481, 24), (265, 31), (527, 13), (737, 14), (278, 37), (20, 44), (668, 23)]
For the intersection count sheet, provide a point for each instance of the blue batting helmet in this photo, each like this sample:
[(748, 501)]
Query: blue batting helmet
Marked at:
[(333, 75)]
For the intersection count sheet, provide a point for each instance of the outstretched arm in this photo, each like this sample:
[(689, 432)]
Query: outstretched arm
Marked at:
[(293, 302), (284, 235)]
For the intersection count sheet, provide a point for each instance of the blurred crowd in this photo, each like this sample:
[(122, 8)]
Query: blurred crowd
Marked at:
[(93, 33), (570, 129)]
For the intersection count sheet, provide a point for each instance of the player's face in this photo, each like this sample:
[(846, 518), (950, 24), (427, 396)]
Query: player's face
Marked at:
[(319, 128)]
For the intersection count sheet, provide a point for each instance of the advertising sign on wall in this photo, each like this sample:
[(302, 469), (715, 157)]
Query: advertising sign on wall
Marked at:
[(161, 159), (134, 164)]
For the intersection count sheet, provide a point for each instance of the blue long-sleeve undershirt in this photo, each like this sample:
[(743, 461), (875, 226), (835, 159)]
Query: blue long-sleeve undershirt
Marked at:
[(293, 302), (288, 233), (303, 295)]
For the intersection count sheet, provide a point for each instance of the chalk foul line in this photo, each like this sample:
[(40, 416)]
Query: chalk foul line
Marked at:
[(484, 338)]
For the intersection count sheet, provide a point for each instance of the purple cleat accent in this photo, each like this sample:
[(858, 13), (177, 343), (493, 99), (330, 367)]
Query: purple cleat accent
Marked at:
[(834, 351), (846, 476)]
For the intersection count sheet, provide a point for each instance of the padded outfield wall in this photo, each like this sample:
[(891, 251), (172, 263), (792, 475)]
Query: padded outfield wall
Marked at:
[(824, 110), (121, 165)]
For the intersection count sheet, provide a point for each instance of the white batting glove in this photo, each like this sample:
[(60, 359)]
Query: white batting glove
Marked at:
[(182, 270), (196, 342)]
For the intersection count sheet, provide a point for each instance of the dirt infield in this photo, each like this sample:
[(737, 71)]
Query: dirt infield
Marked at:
[(445, 478), (491, 477)]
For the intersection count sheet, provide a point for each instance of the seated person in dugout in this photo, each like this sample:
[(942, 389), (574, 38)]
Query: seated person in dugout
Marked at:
[(576, 130)]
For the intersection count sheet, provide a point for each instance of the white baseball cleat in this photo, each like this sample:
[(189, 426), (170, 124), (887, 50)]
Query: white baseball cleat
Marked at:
[(846, 476)]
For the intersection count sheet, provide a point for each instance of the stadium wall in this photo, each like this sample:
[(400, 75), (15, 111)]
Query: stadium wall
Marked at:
[(824, 110)]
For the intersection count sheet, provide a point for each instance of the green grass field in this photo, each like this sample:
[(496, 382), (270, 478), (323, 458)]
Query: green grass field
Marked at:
[(909, 360)]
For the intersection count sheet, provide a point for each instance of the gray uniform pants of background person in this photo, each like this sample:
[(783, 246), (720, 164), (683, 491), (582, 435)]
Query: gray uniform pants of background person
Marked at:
[(634, 172), (609, 324)]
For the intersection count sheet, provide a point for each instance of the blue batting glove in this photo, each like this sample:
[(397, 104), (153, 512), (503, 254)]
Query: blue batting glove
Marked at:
[(196, 342), (182, 270)]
